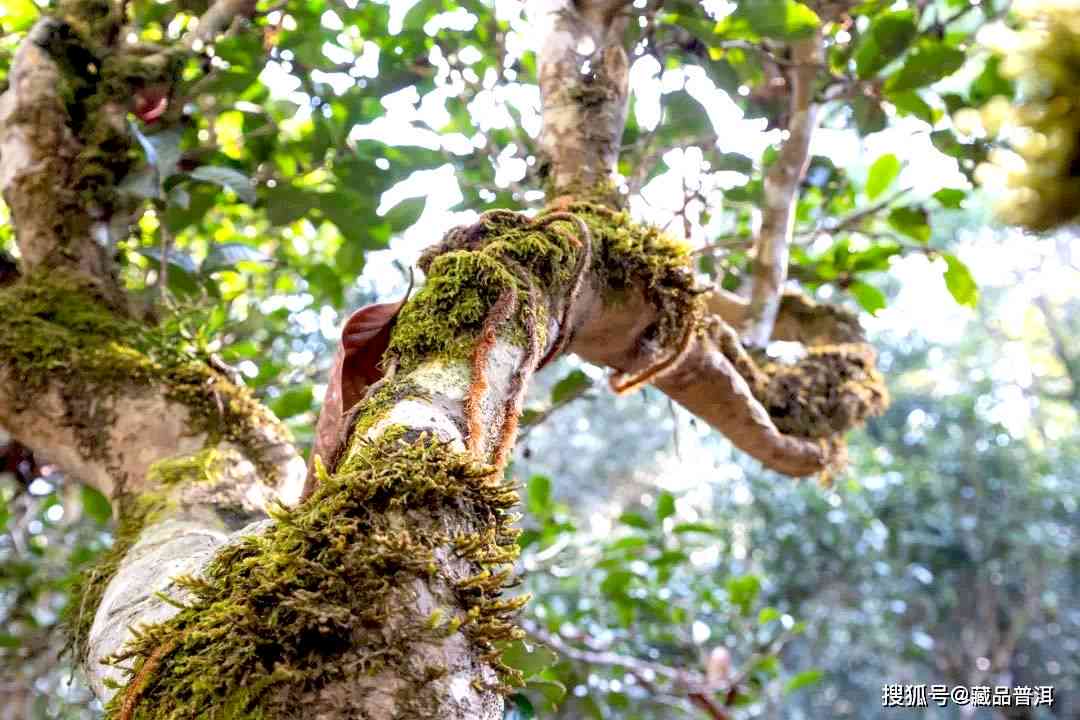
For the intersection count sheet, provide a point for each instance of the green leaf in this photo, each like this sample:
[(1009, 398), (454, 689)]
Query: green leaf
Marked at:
[(927, 63), (910, 102), (286, 204), (781, 19), (519, 708), (695, 527), (405, 213), (743, 591), (17, 15), (807, 677), (767, 615), (882, 174), (572, 385), (665, 506), (292, 402), (615, 584), (951, 198), (227, 178), (869, 116), (9, 641), (735, 162), (991, 83), (530, 658), (95, 505), (912, 221), (887, 37), (634, 520), (552, 691), (177, 259), (959, 281), (538, 495), (225, 256), (869, 297)]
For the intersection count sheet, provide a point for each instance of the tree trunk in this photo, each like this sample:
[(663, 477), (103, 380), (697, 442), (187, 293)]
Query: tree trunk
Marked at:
[(384, 594)]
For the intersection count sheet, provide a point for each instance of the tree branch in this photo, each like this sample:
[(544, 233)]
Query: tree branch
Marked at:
[(584, 85), (782, 193)]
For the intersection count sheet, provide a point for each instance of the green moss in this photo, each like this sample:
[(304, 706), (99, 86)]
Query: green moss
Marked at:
[(601, 192), (629, 256), (204, 466), (62, 333), (276, 615)]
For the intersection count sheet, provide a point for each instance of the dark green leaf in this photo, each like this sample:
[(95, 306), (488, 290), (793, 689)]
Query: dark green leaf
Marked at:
[(888, 36), (927, 63), (870, 117), (227, 178), (519, 708), (912, 221), (910, 102), (573, 384)]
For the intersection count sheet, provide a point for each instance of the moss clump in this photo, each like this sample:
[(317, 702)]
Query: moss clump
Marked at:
[(276, 614), (628, 255), (469, 271), (203, 466), (61, 332), (828, 392)]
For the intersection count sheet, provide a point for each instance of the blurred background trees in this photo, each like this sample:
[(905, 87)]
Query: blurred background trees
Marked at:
[(307, 164)]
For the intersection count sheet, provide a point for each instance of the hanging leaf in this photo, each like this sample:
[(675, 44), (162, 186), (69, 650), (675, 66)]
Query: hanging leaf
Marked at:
[(225, 256), (888, 36), (927, 63), (575, 383), (882, 174), (227, 178), (912, 221), (869, 297), (959, 281)]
